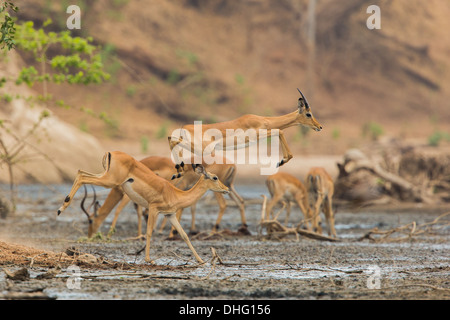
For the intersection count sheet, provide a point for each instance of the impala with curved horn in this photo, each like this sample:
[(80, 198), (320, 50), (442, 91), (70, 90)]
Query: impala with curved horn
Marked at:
[(270, 125)]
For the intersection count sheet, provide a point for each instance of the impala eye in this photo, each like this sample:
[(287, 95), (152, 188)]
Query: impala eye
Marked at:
[(215, 178), (308, 115)]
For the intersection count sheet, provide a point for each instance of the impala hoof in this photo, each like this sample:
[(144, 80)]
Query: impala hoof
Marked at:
[(244, 230), (59, 212), (281, 163)]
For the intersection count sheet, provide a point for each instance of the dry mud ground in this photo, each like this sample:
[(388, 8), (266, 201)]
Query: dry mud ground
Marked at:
[(251, 268)]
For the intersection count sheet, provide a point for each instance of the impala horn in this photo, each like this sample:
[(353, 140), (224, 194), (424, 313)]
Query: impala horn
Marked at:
[(94, 203), (304, 99)]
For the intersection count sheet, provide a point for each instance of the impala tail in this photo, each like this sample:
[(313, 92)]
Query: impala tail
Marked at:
[(106, 161)]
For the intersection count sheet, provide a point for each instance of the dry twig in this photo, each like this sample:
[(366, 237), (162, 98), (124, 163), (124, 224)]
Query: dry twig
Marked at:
[(275, 230), (408, 230)]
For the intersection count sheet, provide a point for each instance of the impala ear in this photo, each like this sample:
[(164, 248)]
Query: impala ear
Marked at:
[(301, 105), (198, 168)]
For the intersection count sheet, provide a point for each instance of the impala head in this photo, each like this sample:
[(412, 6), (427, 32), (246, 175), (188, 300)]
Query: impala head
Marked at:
[(311, 182), (305, 117), (211, 179), (93, 226)]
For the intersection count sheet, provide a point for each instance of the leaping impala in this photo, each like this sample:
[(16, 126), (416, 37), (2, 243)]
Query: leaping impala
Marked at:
[(147, 190), (270, 125)]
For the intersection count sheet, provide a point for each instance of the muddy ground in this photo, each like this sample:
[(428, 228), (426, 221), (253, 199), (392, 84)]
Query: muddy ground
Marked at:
[(251, 267)]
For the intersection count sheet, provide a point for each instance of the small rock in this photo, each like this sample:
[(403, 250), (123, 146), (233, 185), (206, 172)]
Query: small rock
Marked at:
[(50, 274), (21, 274), (87, 258)]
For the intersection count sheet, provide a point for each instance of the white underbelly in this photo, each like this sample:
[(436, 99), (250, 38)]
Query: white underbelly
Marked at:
[(133, 195)]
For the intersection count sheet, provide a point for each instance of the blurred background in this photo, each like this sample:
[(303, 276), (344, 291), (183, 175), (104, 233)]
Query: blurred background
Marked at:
[(172, 62)]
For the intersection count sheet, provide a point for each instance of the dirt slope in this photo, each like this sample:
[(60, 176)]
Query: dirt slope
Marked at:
[(56, 149), (176, 61)]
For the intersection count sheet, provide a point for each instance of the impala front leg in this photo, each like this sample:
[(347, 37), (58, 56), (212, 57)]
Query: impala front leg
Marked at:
[(287, 154), (316, 220), (275, 199), (328, 210), (151, 220), (173, 220), (308, 216)]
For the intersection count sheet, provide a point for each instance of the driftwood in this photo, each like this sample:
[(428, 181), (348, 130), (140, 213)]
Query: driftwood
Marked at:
[(407, 231), (364, 179), (275, 230)]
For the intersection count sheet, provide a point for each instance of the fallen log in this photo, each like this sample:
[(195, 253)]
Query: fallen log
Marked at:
[(355, 161)]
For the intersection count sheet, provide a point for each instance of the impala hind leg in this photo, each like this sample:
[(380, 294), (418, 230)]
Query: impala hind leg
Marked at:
[(124, 201), (180, 170), (175, 148), (84, 177), (288, 212), (240, 203)]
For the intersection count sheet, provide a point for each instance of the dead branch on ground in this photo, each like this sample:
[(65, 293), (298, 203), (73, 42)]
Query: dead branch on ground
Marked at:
[(408, 230), (275, 230), (397, 172)]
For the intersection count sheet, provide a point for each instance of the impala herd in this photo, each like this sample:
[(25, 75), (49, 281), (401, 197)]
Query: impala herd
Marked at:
[(158, 186)]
